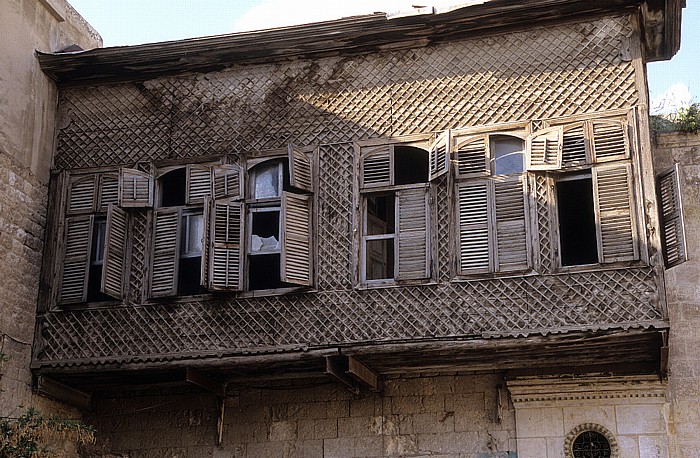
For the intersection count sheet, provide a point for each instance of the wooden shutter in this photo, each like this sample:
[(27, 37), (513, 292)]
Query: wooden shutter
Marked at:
[(226, 246), (82, 196), (377, 166), (617, 240), (472, 156), (135, 188), (108, 191), (671, 215), (609, 140), (473, 214), (413, 223), (574, 144), (440, 155), (300, 175), (544, 149), (198, 183), (228, 181), (166, 235), (76, 260), (296, 239), (115, 253), (511, 227)]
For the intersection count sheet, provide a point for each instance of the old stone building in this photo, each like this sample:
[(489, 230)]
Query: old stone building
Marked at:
[(439, 233)]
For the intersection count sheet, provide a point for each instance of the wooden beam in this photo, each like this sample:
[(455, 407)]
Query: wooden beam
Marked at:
[(337, 368), (53, 389), (202, 381), (363, 374)]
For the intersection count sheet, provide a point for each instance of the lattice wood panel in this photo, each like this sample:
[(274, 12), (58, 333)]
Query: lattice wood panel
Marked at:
[(512, 306), (138, 273), (542, 207), (532, 74)]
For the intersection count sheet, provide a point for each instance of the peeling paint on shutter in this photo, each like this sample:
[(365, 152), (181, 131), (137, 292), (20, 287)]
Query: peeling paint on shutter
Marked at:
[(198, 183), (440, 155), (377, 166), (296, 239), (544, 149), (671, 217), (472, 157), (609, 139), (109, 191), (616, 233), (511, 229), (82, 195), (473, 216), (115, 252), (228, 181), (76, 259), (413, 234), (226, 250), (166, 232), (574, 150), (135, 188), (299, 169)]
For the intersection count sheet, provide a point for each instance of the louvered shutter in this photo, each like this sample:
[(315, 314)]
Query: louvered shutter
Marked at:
[(511, 226), (82, 195), (226, 250), (609, 140), (376, 168), (473, 214), (671, 215), (296, 239), (440, 155), (76, 260), (544, 149), (299, 169), (115, 252), (472, 156), (108, 191), (166, 234), (574, 148), (228, 181), (614, 217), (413, 258), (135, 188), (198, 183)]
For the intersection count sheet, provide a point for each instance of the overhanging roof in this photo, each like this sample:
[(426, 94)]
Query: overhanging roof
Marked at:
[(353, 35)]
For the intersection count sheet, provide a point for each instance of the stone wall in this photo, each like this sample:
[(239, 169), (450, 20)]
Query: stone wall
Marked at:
[(683, 293)]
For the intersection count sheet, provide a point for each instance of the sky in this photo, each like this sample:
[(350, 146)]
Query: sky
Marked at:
[(672, 83)]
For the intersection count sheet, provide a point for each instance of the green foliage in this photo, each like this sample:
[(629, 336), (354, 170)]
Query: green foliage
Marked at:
[(688, 119), (29, 435)]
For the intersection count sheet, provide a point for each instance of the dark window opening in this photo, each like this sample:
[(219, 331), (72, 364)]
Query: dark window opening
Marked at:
[(380, 229), (189, 276), (172, 188), (265, 231), (190, 263), (264, 272), (410, 165), (380, 214), (577, 227), (97, 254), (380, 259)]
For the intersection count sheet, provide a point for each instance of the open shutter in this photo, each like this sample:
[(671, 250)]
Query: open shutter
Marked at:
[(440, 155), (671, 215), (115, 253), (299, 169), (226, 248), (413, 222), (574, 148), (376, 167), (135, 188), (511, 230), (544, 149), (108, 191), (473, 214), (296, 239), (82, 195), (615, 220), (472, 156), (228, 181), (609, 140), (198, 183), (166, 234), (76, 259)]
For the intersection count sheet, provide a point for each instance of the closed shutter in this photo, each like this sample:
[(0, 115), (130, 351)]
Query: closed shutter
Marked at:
[(135, 188), (609, 140), (574, 149), (226, 249), (671, 215), (511, 230), (166, 234), (376, 166), (544, 149), (299, 169), (228, 181), (115, 252), (82, 195), (76, 259), (198, 183), (472, 156), (296, 239), (440, 155), (413, 234), (109, 191), (615, 220), (473, 215)]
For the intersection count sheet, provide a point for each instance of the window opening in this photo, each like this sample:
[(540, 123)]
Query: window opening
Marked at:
[(508, 154), (190, 262), (410, 165), (172, 188), (99, 227), (380, 224), (265, 230), (577, 225)]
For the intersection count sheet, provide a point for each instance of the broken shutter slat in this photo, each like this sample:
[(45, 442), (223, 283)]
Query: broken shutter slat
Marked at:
[(574, 144), (544, 149), (115, 252), (228, 181), (673, 238), (472, 156), (413, 222), (439, 155)]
